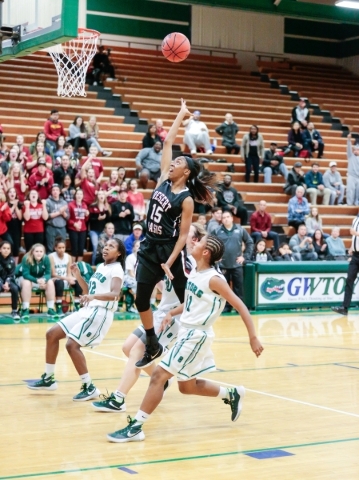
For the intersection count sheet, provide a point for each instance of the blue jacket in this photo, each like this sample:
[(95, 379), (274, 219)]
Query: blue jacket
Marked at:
[(294, 205), (312, 180), (130, 241)]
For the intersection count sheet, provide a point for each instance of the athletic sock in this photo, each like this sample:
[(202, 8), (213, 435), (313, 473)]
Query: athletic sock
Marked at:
[(25, 305), (85, 378), (223, 393), (49, 369), (150, 332), (120, 397), (58, 301), (50, 304), (141, 417)]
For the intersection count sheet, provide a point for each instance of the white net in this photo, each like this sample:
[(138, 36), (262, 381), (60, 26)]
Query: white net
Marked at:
[(72, 60)]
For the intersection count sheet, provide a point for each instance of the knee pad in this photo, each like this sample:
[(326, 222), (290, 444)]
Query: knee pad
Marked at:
[(143, 297)]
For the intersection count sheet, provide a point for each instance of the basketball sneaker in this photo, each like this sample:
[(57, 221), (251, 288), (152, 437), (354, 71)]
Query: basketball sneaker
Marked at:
[(235, 401), (150, 355), (77, 306), (51, 313), (45, 383), (25, 314), (59, 311), (86, 393), (131, 433), (109, 404)]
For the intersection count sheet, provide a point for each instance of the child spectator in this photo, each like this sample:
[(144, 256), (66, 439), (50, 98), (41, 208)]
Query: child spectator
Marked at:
[(7, 277), (151, 137), (14, 226), (77, 228), (107, 234), (260, 252), (77, 134), (34, 215), (112, 187), (67, 188), (285, 254), (320, 247), (42, 180), (100, 213), (36, 273), (16, 179), (136, 199)]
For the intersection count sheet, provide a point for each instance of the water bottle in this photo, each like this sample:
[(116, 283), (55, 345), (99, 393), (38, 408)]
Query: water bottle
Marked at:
[(214, 145)]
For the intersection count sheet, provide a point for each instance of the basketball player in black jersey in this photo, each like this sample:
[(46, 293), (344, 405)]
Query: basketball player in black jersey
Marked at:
[(168, 221)]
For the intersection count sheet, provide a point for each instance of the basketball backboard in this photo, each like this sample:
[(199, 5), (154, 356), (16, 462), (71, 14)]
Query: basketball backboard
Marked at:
[(40, 24)]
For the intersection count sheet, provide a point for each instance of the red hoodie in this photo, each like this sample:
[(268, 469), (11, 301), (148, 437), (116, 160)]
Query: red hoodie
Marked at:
[(76, 213), (43, 190), (5, 217), (53, 130)]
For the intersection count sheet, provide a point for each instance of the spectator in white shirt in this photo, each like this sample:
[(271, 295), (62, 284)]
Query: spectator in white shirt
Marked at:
[(196, 134)]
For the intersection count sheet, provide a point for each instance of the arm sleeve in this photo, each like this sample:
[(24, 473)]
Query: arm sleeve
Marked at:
[(220, 129), (118, 272), (308, 180), (140, 156), (252, 222)]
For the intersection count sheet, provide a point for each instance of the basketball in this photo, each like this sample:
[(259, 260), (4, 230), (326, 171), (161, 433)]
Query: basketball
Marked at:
[(176, 47)]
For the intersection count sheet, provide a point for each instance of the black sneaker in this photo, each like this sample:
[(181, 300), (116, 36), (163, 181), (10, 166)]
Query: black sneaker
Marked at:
[(150, 355), (341, 310)]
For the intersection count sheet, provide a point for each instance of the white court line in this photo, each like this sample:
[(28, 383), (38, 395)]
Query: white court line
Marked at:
[(253, 391)]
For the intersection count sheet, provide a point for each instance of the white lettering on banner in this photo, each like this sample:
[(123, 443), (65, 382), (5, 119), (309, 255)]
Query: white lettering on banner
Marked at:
[(303, 287)]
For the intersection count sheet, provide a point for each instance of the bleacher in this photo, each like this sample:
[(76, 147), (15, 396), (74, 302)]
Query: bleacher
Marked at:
[(214, 85)]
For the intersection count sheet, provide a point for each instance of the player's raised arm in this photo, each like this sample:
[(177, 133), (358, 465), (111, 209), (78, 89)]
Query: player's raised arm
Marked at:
[(77, 274), (221, 287), (170, 139)]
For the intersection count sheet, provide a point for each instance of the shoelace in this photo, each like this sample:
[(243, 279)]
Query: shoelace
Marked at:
[(110, 396)]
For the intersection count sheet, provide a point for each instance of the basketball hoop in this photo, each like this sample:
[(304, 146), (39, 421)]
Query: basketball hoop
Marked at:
[(72, 60)]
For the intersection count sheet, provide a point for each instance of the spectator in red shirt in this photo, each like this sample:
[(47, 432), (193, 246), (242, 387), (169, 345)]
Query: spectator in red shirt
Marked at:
[(261, 224), (16, 179), (14, 226), (89, 185), (24, 151), (76, 225), (39, 152), (5, 217), (42, 180), (136, 199), (91, 161), (112, 187), (161, 132), (35, 213), (53, 128)]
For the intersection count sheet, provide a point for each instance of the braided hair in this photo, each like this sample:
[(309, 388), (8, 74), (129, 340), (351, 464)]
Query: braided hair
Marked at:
[(216, 247), (201, 182), (122, 250)]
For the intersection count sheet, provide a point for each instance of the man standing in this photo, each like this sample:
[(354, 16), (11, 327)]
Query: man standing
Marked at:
[(333, 180), (261, 224), (273, 164), (228, 199), (353, 269), (300, 113), (302, 244), (315, 186), (233, 236), (229, 130), (196, 134), (148, 164), (298, 208), (58, 213), (53, 129), (216, 220), (353, 173)]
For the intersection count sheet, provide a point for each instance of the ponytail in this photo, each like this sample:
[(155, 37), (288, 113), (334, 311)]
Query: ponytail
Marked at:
[(200, 182)]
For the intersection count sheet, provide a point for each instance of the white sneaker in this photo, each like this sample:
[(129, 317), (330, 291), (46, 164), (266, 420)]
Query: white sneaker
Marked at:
[(209, 152), (193, 152), (106, 153)]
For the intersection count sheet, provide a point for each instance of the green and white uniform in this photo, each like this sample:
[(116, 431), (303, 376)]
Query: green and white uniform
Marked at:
[(191, 355), (61, 265), (90, 324)]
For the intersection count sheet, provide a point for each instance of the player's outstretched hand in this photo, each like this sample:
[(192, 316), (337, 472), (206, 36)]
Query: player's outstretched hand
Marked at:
[(166, 321), (184, 107), (85, 299), (167, 270), (256, 346)]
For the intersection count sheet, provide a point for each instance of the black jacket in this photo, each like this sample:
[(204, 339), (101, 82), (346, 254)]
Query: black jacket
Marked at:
[(227, 196), (7, 269), (268, 156), (294, 179), (228, 132), (123, 225)]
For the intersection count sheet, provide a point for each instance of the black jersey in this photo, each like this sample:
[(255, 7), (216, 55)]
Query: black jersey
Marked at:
[(164, 213)]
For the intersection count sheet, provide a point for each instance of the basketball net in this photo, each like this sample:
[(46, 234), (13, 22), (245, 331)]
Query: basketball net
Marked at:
[(72, 60)]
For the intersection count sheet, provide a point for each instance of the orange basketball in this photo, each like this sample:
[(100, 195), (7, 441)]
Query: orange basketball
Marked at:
[(176, 47)]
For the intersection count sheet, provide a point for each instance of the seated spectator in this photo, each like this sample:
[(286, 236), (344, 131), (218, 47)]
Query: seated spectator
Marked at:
[(136, 235), (196, 134), (58, 211), (313, 221), (5, 217), (295, 179), (107, 234), (261, 225), (136, 199), (252, 151), (230, 200), (285, 254), (7, 277), (315, 186), (39, 152), (273, 164), (298, 208), (112, 187), (129, 280), (315, 141), (62, 277), (100, 213), (16, 179), (77, 134), (12, 156), (202, 220), (77, 226), (151, 137), (93, 132), (67, 188), (36, 273), (301, 243), (42, 180), (73, 156), (34, 215), (148, 164), (91, 161), (261, 253), (88, 185), (295, 140), (319, 244), (216, 220), (14, 226), (63, 169), (102, 66), (229, 129), (333, 180), (122, 216), (301, 113), (59, 151), (53, 129), (41, 137), (336, 247), (161, 132), (353, 172)]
